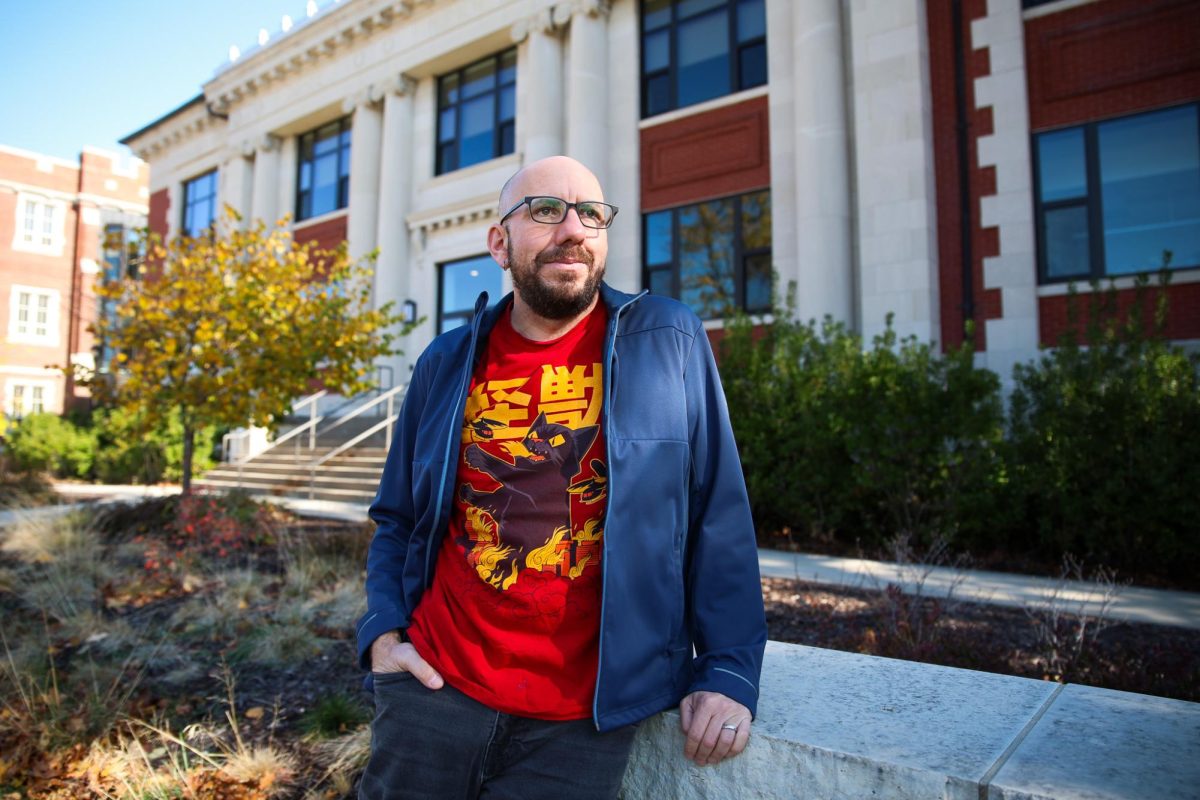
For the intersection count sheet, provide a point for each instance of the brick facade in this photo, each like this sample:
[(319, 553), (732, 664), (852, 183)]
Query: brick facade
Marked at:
[(47, 298)]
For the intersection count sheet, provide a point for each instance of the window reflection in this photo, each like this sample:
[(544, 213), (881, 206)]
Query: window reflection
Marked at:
[(714, 256), (461, 283), (1142, 200), (477, 112)]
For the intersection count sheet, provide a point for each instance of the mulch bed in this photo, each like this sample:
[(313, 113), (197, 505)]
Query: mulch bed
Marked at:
[(1150, 659)]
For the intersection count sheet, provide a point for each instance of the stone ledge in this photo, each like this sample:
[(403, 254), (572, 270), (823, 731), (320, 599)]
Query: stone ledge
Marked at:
[(840, 725)]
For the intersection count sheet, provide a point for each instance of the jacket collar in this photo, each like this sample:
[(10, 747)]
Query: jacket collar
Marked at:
[(486, 318)]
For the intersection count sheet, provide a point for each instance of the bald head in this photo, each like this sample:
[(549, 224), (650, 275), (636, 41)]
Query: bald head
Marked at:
[(550, 176)]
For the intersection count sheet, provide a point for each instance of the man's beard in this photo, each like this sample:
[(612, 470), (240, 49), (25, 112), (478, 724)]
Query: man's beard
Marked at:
[(557, 300)]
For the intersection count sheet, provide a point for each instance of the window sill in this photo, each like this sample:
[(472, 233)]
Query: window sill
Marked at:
[(40, 341), (317, 220), (54, 250), (1083, 285), (707, 105), (510, 159)]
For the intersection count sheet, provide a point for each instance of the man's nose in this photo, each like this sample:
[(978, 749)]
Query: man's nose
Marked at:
[(571, 229)]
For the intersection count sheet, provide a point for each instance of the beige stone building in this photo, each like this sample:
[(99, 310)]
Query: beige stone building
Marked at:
[(881, 156)]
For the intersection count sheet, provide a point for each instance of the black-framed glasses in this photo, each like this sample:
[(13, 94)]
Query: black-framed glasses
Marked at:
[(553, 210)]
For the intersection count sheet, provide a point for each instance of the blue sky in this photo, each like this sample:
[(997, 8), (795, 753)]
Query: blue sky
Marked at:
[(89, 72)]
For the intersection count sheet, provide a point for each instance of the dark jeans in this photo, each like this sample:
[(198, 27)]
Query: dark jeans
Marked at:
[(444, 745)]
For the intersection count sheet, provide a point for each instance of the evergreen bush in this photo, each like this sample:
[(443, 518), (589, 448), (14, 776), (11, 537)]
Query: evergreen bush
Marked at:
[(46, 442), (1104, 443), (842, 443)]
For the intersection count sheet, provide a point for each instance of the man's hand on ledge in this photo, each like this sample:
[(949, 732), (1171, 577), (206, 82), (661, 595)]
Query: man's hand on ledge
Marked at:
[(716, 727), (389, 654)]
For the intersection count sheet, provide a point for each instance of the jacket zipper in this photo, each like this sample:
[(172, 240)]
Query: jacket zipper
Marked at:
[(610, 347), (455, 420)]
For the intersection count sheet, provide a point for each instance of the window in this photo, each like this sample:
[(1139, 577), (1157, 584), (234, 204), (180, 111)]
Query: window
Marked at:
[(695, 50), (323, 179), (39, 226), (460, 285), (199, 203), (715, 256), (1113, 196), (27, 397), (122, 252), (477, 111), (33, 315)]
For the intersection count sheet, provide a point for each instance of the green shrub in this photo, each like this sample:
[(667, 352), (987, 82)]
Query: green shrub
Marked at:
[(1104, 446), (129, 452), (48, 443), (839, 442)]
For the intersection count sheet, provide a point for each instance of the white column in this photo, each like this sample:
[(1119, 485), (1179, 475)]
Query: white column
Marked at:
[(265, 203), (896, 201), (539, 85), (587, 89), (782, 120), (288, 152), (366, 132), (395, 200), (623, 181), (235, 182), (823, 231)]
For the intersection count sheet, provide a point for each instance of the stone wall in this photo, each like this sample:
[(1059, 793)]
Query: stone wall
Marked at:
[(836, 725)]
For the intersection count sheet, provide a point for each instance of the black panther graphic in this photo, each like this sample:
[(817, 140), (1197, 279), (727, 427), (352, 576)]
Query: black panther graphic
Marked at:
[(532, 504)]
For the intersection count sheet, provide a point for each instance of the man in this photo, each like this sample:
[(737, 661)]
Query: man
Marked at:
[(564, 544)]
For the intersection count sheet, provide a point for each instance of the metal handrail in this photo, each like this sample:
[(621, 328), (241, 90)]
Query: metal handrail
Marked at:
[(386, 423), (388, 395), (310, 400)]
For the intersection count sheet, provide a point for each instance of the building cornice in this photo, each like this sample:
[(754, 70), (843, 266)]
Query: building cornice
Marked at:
[(472, 210), (171, 130), (41, 191), (100, 201), (322, 39)]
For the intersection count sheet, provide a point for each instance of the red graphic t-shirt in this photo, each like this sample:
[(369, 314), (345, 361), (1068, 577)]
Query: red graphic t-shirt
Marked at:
[(513, 616)]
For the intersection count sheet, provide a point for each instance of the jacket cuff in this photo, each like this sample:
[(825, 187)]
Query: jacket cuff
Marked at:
[(730, 683), (373, 625)]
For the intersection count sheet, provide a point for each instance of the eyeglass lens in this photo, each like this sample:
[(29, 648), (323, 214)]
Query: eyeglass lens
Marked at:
[(553, 210)]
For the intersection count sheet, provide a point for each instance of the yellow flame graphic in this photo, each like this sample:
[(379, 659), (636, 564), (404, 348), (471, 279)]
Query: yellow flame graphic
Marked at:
[(591, 532), (547, 555)]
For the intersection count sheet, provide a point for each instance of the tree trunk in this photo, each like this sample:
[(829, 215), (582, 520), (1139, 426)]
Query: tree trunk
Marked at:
[(188, 445)]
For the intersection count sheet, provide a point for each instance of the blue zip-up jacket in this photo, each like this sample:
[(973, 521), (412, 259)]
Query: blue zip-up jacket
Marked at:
[(680, 560)]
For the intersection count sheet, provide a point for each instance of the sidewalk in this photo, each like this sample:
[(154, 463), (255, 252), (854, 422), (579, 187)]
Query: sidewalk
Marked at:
[(1132, 603)]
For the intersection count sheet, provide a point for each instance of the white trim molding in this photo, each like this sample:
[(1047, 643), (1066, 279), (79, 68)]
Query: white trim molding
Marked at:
[(26, 331), (31, 392), (39, 224)]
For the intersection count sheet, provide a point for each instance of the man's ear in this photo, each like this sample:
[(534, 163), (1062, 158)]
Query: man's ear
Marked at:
[(497, 241)]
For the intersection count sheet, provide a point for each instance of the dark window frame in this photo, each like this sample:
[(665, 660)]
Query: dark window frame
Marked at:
[(342, 157), (741, 253), (191, 200), (1092, 201), (499, 126), (735, 52)]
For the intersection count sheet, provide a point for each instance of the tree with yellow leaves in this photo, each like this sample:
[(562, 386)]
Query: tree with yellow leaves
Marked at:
[(230, 326)]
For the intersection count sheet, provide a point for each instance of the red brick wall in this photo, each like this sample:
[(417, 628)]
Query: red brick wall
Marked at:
[(713, 154), (160, 206), (947, 170), (1110, 58), (21, 169), (1183, 312), (328, 234)]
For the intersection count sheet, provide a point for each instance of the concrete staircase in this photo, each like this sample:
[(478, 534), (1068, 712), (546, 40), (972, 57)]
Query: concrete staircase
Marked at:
[(301, 464)]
